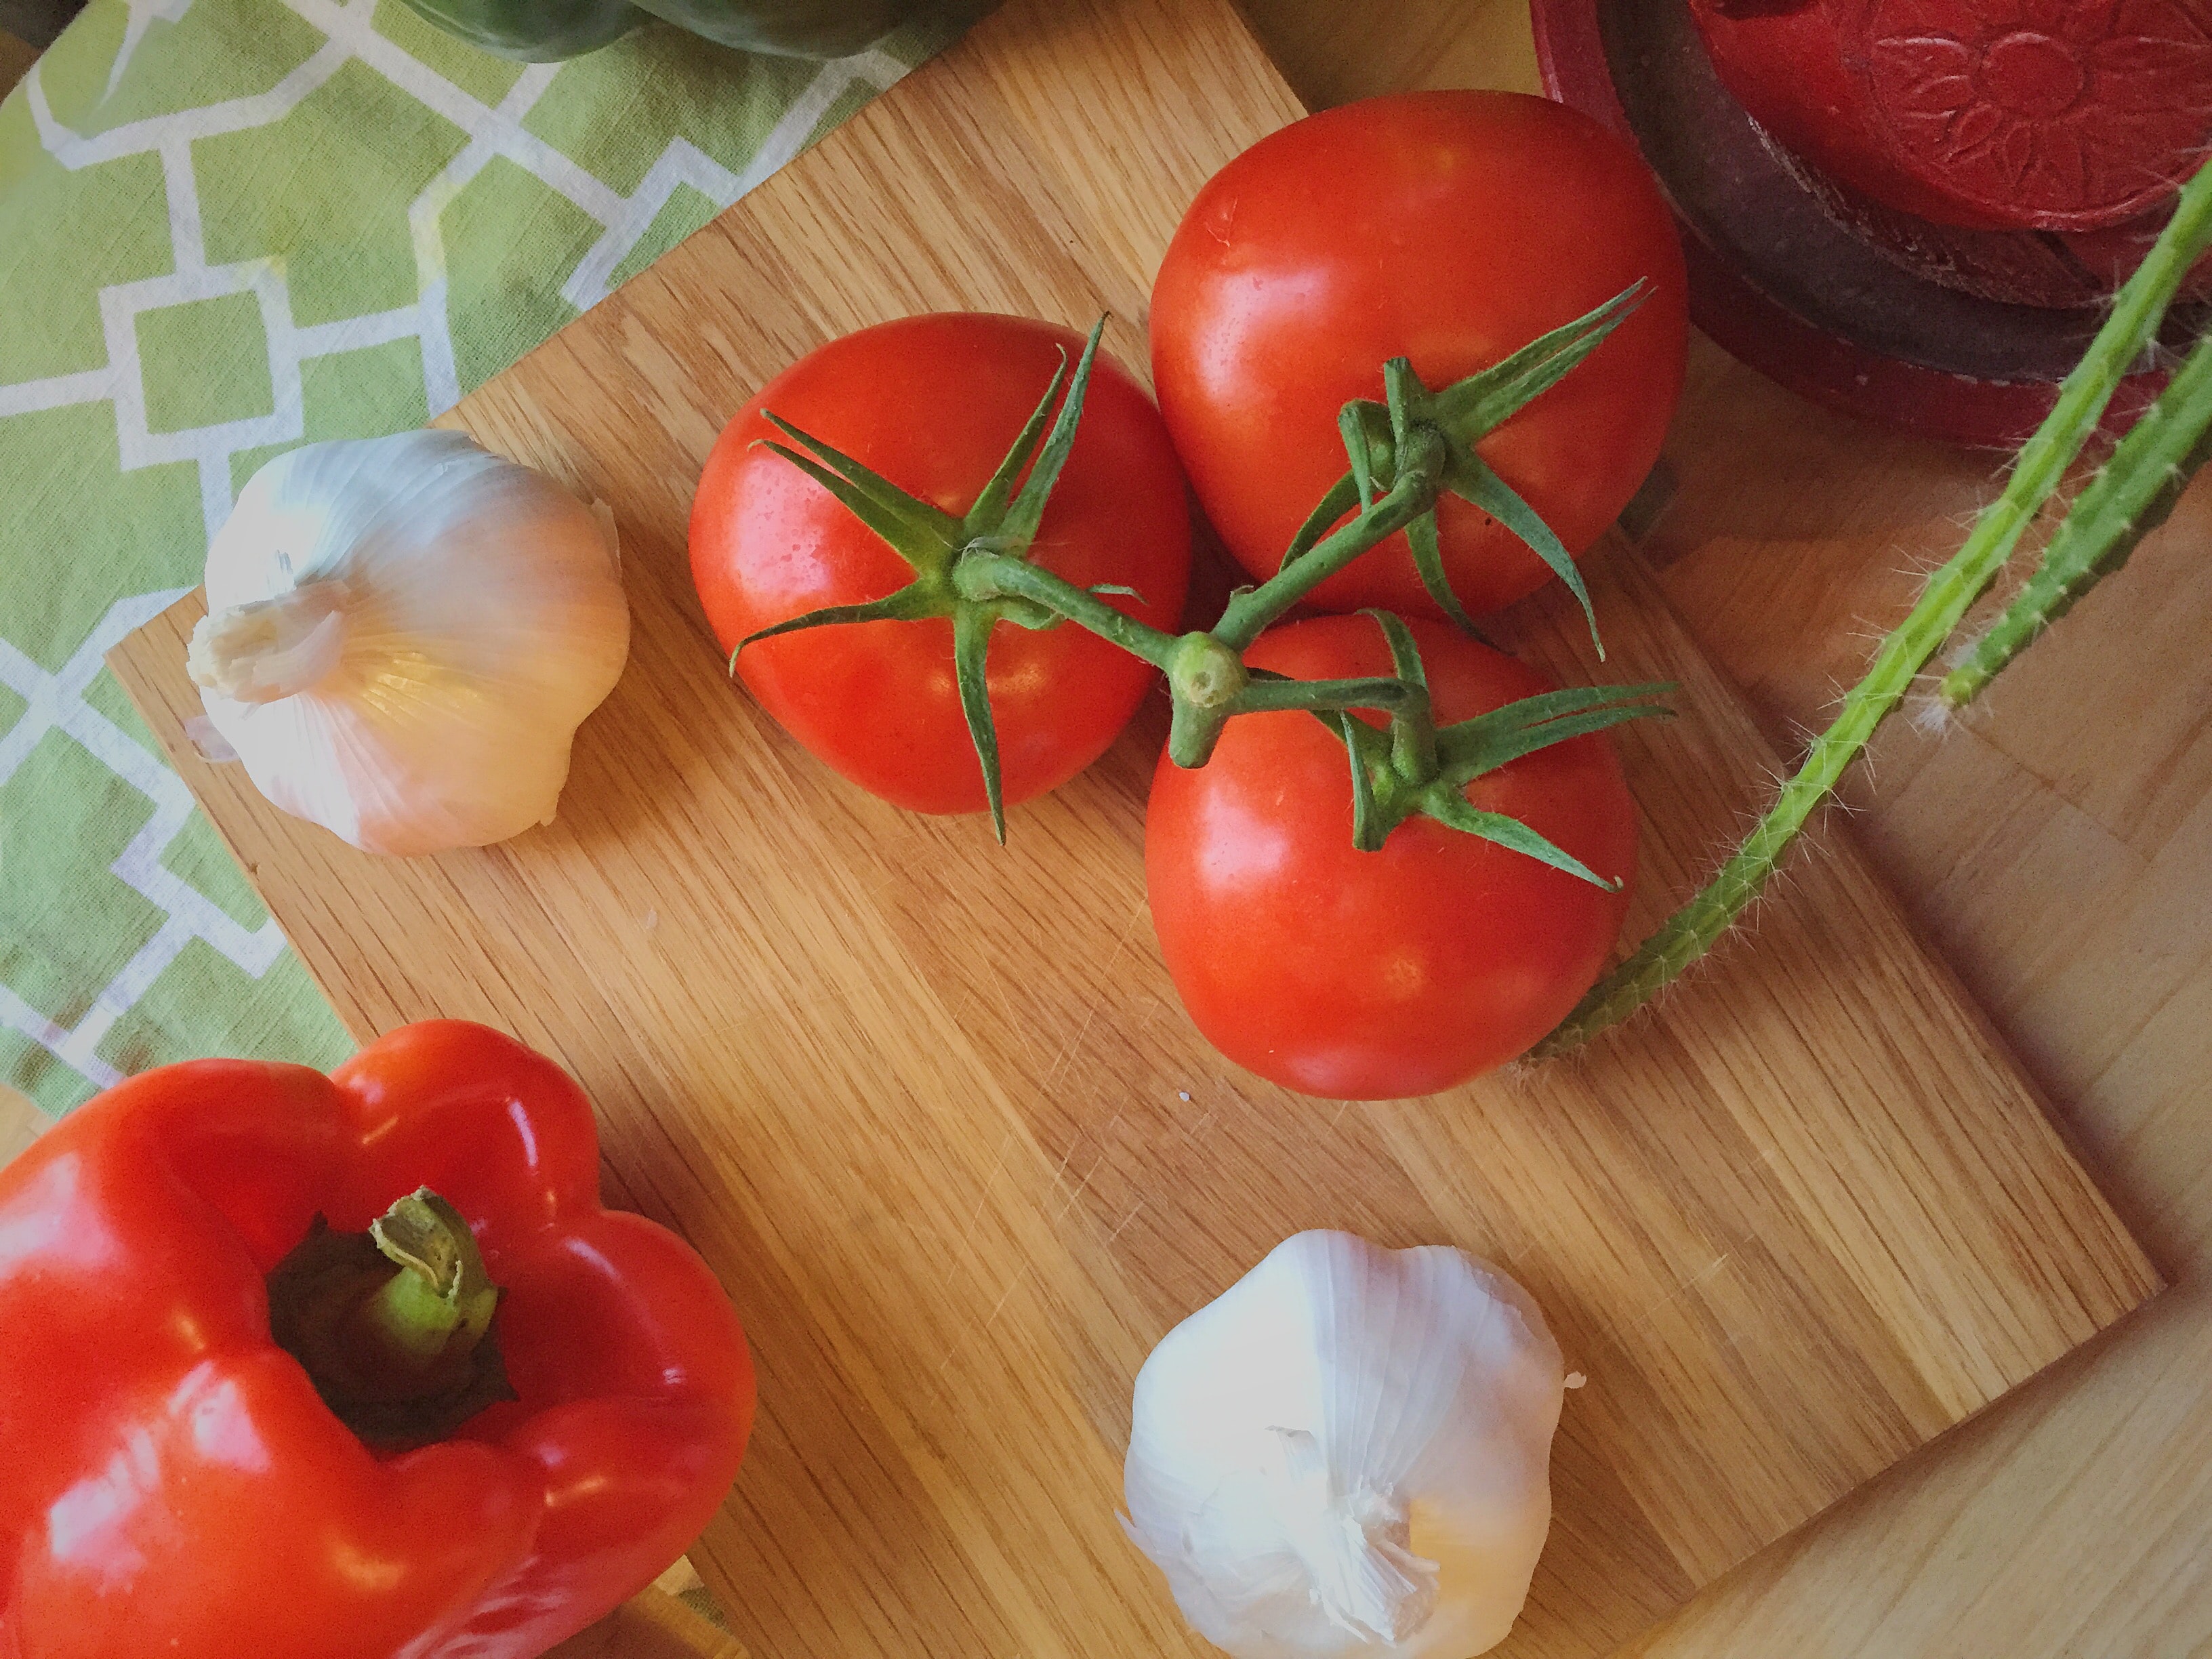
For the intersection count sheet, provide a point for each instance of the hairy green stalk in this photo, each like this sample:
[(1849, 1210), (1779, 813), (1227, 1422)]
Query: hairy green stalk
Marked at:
[(2130, 497), (2127, 333)]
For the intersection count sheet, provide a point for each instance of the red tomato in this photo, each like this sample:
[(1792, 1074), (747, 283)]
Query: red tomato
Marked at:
[(933, 404), (1398, 972), (1449, 228)]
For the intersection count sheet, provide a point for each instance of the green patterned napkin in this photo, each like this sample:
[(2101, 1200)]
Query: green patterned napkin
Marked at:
[(226, 227)]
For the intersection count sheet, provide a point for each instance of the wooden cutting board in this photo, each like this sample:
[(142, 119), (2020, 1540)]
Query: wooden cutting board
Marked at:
[(931, 1109)]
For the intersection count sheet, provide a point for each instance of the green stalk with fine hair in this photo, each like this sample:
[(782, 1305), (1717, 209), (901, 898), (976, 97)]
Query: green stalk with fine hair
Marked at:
[(2132, 326), (2129, 498)]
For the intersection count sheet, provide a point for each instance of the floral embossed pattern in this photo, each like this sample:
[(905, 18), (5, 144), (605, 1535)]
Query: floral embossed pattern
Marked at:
[(2073, 114)]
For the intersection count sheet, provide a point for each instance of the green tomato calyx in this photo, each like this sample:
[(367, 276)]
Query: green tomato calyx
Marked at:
[(1404, 454), (965, 568), (1413, 766)]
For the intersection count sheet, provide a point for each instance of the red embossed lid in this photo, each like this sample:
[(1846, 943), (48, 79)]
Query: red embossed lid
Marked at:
[(2046, 114), (1807, 294)]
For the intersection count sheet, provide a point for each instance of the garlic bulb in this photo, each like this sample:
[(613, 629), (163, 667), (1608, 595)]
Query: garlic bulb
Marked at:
[(1348, 1453), (403, 635)]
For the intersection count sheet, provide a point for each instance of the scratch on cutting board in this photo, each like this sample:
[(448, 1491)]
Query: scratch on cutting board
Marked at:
[(1058, 1174), (1006, 1007), (1102, 1136), (997, 1164), (1006, 1296), (989, 1319), (1083, 1031), (1680, 1291), (1063, 1211), (1022, 1277)]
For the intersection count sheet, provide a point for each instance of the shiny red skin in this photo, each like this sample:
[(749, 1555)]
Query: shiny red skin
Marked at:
[(1375, 975), (933, 403), (1449, 228), (171, 1485)]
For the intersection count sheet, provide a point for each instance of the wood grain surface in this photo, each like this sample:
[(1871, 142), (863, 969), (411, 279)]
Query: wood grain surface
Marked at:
[(653, 1625), (21, 1122), (2057, 846), (932, 1110)]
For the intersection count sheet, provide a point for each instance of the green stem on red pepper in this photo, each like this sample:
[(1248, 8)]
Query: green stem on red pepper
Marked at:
[(441, 1303), (395, 1326)]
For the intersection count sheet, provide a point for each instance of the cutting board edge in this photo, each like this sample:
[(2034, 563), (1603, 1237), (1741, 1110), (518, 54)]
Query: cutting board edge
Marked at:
[(459, 417)]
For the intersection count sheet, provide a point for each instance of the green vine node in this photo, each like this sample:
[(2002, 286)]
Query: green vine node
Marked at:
[(1404, 454)]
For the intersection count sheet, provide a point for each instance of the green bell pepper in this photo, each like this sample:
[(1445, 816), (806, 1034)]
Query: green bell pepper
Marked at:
[(542, 31)]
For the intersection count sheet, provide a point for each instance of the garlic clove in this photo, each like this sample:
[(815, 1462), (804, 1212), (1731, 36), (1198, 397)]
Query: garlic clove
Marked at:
[(1348, 1453), (405, 634)]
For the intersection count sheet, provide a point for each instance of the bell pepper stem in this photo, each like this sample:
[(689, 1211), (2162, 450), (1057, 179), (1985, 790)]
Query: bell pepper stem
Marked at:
[(438, 1306), (394, 1326)]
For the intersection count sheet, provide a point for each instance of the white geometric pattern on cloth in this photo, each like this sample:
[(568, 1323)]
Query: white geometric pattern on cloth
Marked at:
[(57, 703), (493, 130), (57, 700)]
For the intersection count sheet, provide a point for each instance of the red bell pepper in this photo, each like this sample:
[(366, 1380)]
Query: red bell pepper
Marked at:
[(173, 1481)]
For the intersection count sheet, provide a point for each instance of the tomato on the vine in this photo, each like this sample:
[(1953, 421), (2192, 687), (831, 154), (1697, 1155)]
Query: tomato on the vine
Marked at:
[(1374, 975), (1448, 227), (933, 404)]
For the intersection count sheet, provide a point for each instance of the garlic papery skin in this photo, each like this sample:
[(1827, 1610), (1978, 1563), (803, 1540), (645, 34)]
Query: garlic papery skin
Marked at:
[(1349, 1453), (403, 635)]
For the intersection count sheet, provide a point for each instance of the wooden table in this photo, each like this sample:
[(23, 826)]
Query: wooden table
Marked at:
[(2057, 846)]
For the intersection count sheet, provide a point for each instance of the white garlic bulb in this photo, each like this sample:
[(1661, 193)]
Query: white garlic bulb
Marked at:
[(403, 635), (1348, 1453)]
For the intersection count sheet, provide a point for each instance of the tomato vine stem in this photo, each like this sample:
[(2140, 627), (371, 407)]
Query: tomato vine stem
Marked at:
[(1405, 454), (1421, 475), (1416, 767), (987, 576)]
